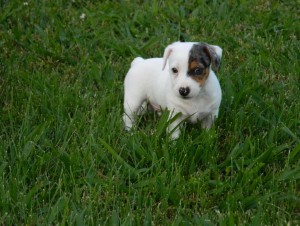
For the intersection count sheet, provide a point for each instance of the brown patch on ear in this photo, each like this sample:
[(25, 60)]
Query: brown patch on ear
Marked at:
[(200, 79)]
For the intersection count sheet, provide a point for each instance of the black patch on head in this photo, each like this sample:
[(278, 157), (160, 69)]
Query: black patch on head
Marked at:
[(199, 61), (200, 54)]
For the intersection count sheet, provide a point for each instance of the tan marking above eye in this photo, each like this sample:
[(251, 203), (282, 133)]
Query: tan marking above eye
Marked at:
[(194, 64)]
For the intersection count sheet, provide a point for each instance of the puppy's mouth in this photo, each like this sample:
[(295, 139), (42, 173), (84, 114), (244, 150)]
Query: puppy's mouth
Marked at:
[(185, 98)]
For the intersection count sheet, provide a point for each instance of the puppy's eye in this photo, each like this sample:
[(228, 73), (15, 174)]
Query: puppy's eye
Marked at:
[(174, 70), (198, 71)]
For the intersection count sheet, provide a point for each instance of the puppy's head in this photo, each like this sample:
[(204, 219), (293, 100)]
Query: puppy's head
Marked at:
[(190, 64)]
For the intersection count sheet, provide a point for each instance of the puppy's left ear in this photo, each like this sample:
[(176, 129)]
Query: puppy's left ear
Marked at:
[(215, 53), (167, 53)]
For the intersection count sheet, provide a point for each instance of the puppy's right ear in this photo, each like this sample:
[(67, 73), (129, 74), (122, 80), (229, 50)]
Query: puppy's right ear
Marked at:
[(167, 53)]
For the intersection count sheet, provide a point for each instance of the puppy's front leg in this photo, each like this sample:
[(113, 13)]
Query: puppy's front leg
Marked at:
[(208, 121), (174, 127), (131, 109), (127, 121)]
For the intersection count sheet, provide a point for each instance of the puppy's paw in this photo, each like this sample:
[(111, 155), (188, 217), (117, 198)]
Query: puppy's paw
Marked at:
[(175, 134), (207, 123), (127, 122)]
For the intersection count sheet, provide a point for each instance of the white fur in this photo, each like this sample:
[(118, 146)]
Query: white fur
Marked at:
[(149, 80)]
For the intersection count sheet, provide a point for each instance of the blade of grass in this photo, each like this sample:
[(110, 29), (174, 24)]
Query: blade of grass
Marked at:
[(118, 158)]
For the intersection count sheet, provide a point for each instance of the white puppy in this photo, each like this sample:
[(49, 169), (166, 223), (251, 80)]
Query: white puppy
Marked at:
[(189, 86)]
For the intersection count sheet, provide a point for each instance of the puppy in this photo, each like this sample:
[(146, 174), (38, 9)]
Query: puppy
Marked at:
[(188, 86)]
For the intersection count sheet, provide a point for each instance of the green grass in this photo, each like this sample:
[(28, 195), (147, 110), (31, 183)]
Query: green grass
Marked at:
[(64, 156)]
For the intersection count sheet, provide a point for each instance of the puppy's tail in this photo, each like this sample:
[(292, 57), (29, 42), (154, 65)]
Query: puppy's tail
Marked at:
[(136, 61)]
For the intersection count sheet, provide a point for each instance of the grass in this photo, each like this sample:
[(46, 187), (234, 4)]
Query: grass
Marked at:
[(64, 156)]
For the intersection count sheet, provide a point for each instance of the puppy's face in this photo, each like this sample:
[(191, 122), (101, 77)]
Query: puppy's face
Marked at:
[(190, 65)]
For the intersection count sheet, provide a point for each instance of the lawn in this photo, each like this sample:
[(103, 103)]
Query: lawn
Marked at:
[(64, 156)]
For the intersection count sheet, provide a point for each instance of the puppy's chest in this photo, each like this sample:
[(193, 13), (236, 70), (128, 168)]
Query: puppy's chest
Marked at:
[(198, 116), (196, 110)]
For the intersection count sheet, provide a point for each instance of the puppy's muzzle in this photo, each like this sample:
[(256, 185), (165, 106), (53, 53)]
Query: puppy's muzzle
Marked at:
[(184, 91)]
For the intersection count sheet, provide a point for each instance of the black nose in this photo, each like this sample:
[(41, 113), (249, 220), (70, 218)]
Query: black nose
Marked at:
[(184, 91)]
